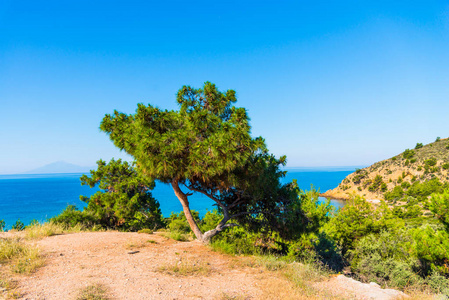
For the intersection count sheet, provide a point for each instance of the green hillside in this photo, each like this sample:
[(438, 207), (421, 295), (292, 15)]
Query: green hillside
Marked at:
[(407, 174)]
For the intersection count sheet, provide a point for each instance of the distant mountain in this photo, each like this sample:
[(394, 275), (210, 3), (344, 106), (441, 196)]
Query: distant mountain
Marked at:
[(60, 167), (413, 165)]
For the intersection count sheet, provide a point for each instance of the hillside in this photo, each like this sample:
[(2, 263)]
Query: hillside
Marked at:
[(423, 163)]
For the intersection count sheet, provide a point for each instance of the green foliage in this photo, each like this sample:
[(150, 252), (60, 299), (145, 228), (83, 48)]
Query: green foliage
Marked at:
[(125, 201), (412, 161), (430, 162), (356, 219), (386, 258), (408, 154), (376, 184), (439, 205), (421, 190), (358, 178), (445, 166), (207, 147), (178, 222), (18, 225), (405, 185), (394, 158), (437, 139), (418, 146), (432, 249), (2, 225), (71, 216)]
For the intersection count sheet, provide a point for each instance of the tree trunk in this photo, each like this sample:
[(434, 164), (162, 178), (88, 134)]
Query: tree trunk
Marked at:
[(185, 205)]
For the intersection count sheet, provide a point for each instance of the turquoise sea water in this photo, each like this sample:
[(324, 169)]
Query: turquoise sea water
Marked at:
[(28, 197)]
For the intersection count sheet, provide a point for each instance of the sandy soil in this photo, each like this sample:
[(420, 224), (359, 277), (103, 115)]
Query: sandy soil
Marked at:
[(130, 268)]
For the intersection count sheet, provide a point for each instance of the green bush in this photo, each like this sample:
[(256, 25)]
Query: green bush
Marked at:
[(439, 205), (357, 178), (430, 162), (385, 258), (405, 185), (445, 166), (71, 216), (419, 146), (2, 225), (376, 184), (18, 225), (408, 154), (357, 219), (177, 222), (431, 247), (125, 201)]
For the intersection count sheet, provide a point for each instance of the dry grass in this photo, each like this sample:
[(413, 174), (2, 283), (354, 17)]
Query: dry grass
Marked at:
[(93, 292), (136, 245), (177, 236), (16, 257), (39, 231), (22, 258), (8, 287), (290, 280), (186, 267)]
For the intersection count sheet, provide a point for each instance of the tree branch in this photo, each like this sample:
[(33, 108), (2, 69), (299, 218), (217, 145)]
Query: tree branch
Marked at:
[(208, 195)]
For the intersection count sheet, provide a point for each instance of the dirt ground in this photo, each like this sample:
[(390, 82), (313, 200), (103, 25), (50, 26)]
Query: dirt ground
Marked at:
[(141, 266)]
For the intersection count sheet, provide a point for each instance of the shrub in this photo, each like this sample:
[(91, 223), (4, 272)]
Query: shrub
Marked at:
[(408, 154), (355, 220), (437, 139), (445, 166), (18, 225), (431, 247), (357, 178), (2, 225), (377, 183), (385, 258), (405, 185), (71, 217), (412, 161), (394, 158), (418, 146), (178, 222), (430, 162), (125, 201), (439, 205)]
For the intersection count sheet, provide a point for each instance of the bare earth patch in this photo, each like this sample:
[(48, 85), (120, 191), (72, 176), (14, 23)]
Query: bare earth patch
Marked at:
[(75, 261), (151, 266)]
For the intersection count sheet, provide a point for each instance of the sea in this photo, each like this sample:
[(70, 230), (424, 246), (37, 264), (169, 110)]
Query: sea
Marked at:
[(39, 197)]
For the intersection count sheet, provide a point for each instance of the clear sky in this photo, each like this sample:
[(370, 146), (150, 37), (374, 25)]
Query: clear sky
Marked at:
[(328, 83)]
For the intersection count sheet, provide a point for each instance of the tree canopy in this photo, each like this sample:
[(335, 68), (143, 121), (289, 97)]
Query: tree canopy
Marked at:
[(124, 200), (207, 147)]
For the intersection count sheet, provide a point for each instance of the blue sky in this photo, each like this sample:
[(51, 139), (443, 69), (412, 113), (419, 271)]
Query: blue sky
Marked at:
[(328, 83)]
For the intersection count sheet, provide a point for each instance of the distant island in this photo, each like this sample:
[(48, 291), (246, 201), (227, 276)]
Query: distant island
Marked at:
[(397, 174), (60, 167)]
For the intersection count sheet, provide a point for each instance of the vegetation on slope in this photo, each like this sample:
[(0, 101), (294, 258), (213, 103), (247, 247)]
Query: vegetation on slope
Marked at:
[(400, 175)]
